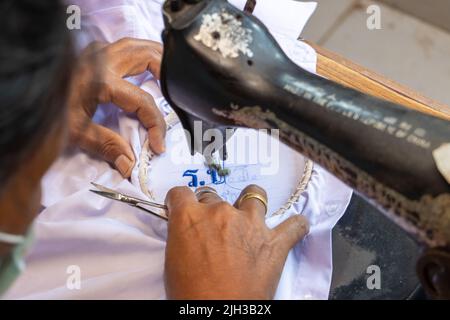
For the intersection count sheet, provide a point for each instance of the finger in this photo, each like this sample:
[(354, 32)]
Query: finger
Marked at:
[(133, 99), (108, 145), (179, 197), (253, 206), (291, 231), (134, 56), (130, 42), (94, 47), (207, 195)]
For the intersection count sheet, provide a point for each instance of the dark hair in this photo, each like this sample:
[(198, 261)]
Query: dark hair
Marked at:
[(35, 56)]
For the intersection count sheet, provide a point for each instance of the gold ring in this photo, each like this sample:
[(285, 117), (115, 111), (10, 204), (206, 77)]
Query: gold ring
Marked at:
[(254, 195), (202, 190)]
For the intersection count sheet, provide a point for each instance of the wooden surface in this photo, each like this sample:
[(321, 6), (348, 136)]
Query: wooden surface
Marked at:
[(345, 72)]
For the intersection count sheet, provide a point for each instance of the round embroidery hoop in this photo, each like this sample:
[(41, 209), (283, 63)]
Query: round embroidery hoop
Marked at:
[(171, 119)]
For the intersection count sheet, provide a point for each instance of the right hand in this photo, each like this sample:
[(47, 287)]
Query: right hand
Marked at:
[(217, 251)]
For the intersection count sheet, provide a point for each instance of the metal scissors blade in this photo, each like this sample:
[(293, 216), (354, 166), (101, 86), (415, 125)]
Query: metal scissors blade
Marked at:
[(109, 195), (103, 188), (132, 201)]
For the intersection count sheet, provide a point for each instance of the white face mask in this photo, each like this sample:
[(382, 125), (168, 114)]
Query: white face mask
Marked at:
[(13, 264)]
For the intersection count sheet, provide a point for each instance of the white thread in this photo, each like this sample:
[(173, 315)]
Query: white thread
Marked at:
[(147, 154), (301, 187)]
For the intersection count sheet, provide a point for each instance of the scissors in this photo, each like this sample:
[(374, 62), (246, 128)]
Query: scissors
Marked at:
[(131, 201)]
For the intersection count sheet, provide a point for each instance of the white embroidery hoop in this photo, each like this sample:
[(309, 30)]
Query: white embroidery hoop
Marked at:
[(171, 119)]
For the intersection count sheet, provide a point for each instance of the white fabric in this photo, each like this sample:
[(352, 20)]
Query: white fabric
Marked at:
[(254, 157), (118, 251)]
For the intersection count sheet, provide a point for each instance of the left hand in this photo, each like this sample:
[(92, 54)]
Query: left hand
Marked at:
[(99, 79)]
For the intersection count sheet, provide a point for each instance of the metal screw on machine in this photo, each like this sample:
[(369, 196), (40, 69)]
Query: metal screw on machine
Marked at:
[(250, 6)]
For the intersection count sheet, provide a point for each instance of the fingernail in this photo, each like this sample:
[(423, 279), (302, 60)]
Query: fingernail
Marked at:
[(160, 148), (124, 165), (163, 147)]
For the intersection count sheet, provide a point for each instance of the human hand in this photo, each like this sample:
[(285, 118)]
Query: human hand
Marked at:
[(99, 79), (217, 251)]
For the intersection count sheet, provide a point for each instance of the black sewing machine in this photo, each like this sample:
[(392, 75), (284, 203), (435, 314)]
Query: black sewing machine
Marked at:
[(222, 66)]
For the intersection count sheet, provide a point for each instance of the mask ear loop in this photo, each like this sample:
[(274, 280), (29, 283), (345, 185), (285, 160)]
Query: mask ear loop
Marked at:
[(11, 238)]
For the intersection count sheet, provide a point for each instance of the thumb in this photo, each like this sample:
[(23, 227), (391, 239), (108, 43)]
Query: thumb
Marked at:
[(108, 145), (291, 231)]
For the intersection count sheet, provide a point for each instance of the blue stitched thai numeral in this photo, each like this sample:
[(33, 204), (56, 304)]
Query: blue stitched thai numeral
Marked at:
[(193, 175), (214, 179)]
